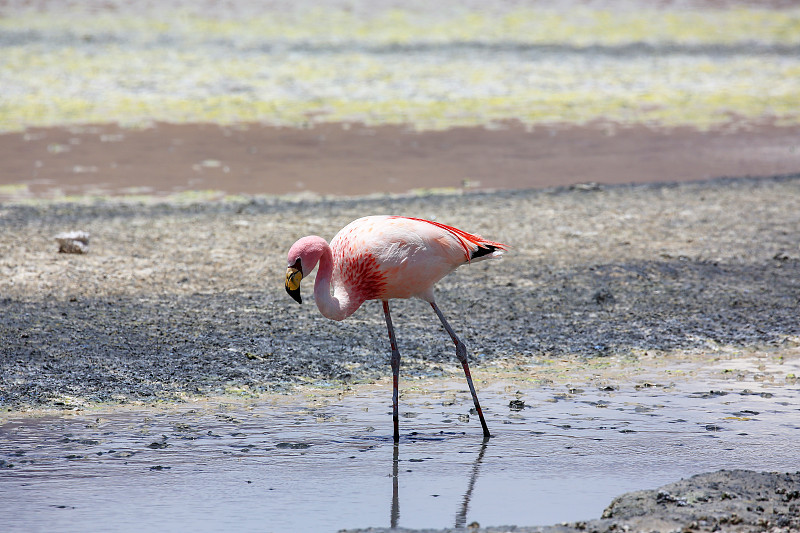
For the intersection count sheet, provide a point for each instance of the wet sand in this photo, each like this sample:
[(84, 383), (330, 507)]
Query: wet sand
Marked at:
[(354, 159)]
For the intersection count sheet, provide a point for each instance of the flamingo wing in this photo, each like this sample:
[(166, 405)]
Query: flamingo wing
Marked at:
[(384, 257), (474, 246)]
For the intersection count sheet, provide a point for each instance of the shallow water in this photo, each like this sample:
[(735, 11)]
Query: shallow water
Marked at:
[(325, 463)]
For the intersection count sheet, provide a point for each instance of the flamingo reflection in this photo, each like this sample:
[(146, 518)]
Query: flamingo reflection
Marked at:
[(461, 514)]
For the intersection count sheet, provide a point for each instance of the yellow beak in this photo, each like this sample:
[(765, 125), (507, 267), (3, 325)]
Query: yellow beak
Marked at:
[(293, 278)]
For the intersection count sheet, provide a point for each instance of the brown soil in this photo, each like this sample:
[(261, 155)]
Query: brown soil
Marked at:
[(356, 159)]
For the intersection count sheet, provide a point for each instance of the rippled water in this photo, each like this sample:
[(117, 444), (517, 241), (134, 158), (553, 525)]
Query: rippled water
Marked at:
[(305, 464)]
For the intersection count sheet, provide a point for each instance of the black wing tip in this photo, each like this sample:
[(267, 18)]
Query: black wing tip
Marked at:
[(484, 249)]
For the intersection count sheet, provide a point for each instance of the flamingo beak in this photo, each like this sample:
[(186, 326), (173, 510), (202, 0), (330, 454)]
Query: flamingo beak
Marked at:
[(293, 277)]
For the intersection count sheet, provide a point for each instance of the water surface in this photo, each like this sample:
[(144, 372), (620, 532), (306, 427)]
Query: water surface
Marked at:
[(328, 462)]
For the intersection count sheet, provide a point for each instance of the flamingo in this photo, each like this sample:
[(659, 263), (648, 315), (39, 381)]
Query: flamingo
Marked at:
[(382, 258)]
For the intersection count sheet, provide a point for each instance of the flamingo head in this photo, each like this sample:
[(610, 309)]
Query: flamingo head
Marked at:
[(303, 257)]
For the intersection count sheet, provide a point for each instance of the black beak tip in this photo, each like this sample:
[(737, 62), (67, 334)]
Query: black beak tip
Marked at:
[(295, 294)]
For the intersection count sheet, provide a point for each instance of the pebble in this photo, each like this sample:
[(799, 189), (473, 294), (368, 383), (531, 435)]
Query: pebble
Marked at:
[(73, 242)]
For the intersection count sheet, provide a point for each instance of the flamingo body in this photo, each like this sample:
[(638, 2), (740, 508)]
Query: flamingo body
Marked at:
[(386, 257), (382, 258)]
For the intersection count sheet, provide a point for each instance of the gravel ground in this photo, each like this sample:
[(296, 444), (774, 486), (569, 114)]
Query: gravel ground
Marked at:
[(180, 300)]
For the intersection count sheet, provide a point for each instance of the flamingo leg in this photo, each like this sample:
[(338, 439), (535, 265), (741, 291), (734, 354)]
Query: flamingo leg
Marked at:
[(395, 370), (394, 514), (461, 353)]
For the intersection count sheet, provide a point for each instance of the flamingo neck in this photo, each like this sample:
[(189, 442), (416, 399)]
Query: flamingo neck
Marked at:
[(336, 306)]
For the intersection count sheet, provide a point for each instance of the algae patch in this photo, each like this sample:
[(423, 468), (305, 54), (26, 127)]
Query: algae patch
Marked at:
[(432, 68)]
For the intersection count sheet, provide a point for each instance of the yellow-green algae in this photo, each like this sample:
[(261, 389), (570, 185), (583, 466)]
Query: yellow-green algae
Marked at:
[(173, 68)]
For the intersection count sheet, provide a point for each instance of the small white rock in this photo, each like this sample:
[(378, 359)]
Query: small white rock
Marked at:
[(73, 242)]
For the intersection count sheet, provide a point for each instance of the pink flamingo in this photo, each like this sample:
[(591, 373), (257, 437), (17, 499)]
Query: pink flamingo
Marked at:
[(385, 257)]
